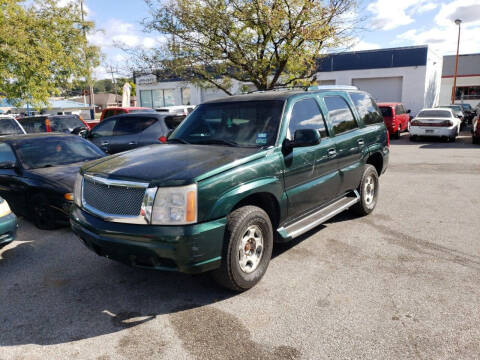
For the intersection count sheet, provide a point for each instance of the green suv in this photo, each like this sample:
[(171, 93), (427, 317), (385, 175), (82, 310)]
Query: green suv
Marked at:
[(238, 175)]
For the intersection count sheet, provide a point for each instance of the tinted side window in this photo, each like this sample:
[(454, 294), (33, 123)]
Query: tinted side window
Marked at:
[(9, 126), (105, 128), (340, 114), (34, 125), (306, 115), (132, 125), (367, 108), (173, 121), (109, 113), (6, 154)]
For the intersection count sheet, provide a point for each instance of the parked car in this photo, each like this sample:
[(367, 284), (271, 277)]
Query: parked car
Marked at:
[(396, 118), (69, 124), (238, 173), (177, 109), (468, 112), (37, 173), (457, 111), (476, 130), (437, 122), (10, 126), (113, 111), (8, 224), (129, 131)]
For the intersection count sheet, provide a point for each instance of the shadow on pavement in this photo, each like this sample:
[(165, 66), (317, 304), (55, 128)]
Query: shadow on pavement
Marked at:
[(464, 141), (53, 290)]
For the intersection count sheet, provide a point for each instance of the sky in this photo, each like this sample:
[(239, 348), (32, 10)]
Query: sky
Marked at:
[(387, 23)]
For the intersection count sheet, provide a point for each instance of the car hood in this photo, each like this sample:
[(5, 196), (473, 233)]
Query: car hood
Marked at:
[(59, 176), (171, 164)]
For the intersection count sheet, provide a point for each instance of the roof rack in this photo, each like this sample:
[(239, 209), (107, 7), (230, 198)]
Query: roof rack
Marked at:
[(332, 87)]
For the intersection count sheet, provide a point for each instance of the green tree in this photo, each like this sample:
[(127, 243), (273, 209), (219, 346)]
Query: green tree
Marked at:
[(266, 42), (42, 49)]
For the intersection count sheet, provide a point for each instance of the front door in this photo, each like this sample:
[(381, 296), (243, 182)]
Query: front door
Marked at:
[(102, 134), (311, 176)]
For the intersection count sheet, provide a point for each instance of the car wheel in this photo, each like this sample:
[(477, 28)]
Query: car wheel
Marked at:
[(368, 190), (474, 140), (413, 137), (247, 250), (41, 214)]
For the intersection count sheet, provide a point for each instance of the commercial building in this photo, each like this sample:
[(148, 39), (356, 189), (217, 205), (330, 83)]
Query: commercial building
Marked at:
[(468, 79), (410, 75)]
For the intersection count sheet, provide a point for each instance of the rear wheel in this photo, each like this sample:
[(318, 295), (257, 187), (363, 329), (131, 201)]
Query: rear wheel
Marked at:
[(41, 213), (368, 190), (247, 250), (413, 137)]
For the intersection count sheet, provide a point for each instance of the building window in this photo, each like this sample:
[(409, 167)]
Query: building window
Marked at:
[(185, 96), (468, 92), (146, 98)]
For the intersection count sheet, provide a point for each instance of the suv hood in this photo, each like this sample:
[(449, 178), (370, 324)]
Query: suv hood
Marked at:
[(171, 164)]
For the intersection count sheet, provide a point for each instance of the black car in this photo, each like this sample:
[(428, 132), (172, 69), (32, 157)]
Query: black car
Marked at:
[(37, 174), (128, 131), (69, 124)]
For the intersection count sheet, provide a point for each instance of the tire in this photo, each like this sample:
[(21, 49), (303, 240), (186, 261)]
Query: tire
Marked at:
[(41, 213), (245, 227), (474, 140), (368, 195), (413, 138)]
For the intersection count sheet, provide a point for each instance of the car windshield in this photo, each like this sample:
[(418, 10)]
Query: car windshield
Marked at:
[(65, 124), (9, 127), (241, 123), (54, 151), (435, 113), (386, 110)]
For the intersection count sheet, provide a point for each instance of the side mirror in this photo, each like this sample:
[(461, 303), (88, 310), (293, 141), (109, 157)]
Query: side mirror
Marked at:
[(304, 137), (8, 165), (409, 111), (83, 133)]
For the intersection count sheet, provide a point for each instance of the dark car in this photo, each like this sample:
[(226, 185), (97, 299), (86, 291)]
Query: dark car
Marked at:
[(238, 173), (129, 131), (10, 126), (69, 124), (37, 173), (468, 112)]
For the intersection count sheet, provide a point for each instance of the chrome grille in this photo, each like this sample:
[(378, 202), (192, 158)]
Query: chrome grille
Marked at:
[(108, 197)]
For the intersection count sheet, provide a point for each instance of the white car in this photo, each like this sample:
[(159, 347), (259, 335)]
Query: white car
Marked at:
[(437, 122), (10, 126), (177, 109)]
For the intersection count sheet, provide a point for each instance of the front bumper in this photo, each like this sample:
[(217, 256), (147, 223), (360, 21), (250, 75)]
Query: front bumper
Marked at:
[(433, 131), (190, 248), (8, 229)]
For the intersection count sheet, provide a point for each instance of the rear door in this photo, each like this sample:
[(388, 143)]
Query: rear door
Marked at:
[(127, 133), (349, 140), (311, 176)]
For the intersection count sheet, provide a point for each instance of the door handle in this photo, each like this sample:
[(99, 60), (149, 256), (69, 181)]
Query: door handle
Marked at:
[(361, 142), (332, 152), (104, 143), (132, 143)]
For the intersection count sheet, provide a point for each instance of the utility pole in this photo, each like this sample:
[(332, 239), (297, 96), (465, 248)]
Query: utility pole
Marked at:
[(89, 73), (454, 88), (112, 72)]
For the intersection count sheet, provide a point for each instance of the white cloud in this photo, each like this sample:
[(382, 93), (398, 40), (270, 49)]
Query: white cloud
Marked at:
[(467, 10), (364, 45), (390, 14)]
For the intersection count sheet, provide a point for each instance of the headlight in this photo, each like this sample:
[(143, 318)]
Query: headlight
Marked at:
[(4, 209), (77, 190), (173, 206)]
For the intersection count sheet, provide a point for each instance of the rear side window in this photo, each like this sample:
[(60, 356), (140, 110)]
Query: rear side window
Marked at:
[(386, 110), (306, 115), (131, 125), (65, 123), (340, 114), (6, 154), (399, 110), (34, 125), (173, 121), (367, 108), (109, 113)]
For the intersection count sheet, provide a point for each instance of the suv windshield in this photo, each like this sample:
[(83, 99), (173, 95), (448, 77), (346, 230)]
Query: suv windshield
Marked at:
[(241, 123), (54, 151), (435, 113)]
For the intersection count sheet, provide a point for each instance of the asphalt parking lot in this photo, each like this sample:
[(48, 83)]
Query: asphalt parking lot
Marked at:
[(401, 283)]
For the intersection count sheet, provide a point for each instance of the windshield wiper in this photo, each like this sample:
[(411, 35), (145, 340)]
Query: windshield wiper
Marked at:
[(217, 141), (182, 141)]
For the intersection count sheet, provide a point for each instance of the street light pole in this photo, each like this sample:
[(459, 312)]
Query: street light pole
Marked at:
[(89, 74), (454, 88)]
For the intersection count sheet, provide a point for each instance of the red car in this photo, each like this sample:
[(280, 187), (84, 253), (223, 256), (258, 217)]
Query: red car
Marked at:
[(476, 130), (112, 111), (396, 118)]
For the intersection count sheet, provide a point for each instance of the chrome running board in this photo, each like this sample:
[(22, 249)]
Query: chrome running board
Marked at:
[(310, 221)]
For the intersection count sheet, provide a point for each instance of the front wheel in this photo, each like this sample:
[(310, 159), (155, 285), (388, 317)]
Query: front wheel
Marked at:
[(247, 249), (368, 190), (41, 213)]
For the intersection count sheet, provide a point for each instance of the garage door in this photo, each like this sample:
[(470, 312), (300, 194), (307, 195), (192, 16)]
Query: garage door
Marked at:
[(385, 89)]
